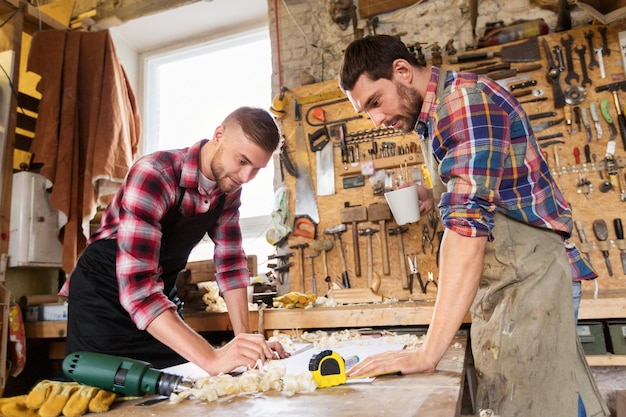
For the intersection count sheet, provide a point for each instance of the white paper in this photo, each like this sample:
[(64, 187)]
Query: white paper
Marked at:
[(298, 362)]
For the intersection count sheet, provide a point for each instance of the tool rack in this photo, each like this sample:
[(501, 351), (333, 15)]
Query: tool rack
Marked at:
[(579, 180)]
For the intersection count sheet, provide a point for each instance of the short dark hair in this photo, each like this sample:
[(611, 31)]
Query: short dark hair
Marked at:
[(372, 55), (258, 126)]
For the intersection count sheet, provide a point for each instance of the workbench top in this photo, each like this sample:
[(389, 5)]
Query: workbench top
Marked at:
[(436, 394)]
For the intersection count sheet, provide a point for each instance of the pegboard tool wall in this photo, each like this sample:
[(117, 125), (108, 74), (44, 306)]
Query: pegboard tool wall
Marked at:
[(580, 182), (330, 206)]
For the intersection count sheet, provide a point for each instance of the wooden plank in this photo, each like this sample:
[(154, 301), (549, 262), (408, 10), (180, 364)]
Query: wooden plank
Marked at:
[(202, 271), (369, 8)]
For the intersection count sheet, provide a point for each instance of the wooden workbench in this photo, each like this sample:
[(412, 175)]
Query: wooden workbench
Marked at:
[(426, 395)]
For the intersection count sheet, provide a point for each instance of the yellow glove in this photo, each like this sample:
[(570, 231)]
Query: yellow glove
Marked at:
[(59, 396), (16, 407), (53, 398)]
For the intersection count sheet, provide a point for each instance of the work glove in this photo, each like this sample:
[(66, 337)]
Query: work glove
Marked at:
[(295, 299), (55, 398)]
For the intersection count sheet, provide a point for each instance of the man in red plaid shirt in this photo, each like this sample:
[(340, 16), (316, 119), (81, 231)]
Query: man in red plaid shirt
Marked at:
[(122, 294)]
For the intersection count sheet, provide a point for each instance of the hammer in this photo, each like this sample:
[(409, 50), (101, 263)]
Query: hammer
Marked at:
[(354, 214), (336, 231), (613, 88), (322, 246), (312, 256), (398, 231), (380, 212), (300, 247), (370, 262)]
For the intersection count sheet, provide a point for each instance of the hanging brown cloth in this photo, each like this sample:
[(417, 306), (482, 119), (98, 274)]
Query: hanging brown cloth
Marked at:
[(88, 127)]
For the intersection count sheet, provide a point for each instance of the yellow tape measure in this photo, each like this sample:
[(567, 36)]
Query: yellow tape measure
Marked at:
[(329, 368)]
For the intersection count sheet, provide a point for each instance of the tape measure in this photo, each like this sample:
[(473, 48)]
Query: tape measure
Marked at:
[(329, 368)]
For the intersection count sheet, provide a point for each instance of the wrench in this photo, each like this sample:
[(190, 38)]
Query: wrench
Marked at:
[(581, 54), (605, 44), (592, 59), (571, 74), (558, 51)]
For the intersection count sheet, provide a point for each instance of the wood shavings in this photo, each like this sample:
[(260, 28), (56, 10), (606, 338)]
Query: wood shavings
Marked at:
[(329, 340), (214, 302), (253, 382)]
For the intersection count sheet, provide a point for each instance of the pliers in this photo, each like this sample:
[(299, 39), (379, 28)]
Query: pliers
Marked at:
[(426, 240), (415, 273), (431, 278)]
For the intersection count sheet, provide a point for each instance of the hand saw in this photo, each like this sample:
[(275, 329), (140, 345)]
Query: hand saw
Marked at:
[(319, 141), (307, 217)]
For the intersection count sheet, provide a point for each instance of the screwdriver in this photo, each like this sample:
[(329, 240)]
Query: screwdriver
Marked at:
[(619, 232), (602, 233)]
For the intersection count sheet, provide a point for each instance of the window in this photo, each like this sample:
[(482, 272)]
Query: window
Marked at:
[(188, 94)]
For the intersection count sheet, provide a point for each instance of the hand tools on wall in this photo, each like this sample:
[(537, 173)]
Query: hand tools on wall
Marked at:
[(527, 51), (307, 217), (553, 76), (312, 257), (336, 232), (283, 265), (369, 232), (300, 248), (380, 212), (583, 238), (398, 231), (571, 75), (604, 109), (319, 141), (621, 118), (619, 232), (322, 121), (593, 109), (581, 56), (322, 246), (353, 215), (414, 273), (585, 116), (602, 233), (544, 125)]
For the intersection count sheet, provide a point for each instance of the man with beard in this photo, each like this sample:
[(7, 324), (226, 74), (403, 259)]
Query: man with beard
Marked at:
[(122, 293), (504, 255)]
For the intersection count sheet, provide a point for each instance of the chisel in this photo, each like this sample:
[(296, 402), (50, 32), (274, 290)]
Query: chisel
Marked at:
[(619, 232), (601, 232), (583, 239)]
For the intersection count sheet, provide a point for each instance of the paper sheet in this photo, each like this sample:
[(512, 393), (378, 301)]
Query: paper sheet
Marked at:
[(298, 362)]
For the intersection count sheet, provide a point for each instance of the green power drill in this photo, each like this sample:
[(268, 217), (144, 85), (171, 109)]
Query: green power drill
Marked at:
[(121, 375)]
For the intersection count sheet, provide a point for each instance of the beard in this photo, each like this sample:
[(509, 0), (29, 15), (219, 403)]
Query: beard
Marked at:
[(225, 182), (410, 107)]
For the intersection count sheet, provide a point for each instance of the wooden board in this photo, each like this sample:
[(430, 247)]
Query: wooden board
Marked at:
[(369, 8)]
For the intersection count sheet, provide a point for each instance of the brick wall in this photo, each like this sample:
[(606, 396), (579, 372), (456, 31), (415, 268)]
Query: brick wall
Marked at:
[(311, 43)]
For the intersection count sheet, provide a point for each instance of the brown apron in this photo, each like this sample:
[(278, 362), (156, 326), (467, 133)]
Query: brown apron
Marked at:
[(527, 355)]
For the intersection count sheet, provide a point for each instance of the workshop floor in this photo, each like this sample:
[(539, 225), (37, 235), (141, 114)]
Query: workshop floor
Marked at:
[(609, 379)]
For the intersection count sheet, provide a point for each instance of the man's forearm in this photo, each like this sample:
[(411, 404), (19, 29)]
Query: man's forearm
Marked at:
[(237, 304), (461, 264)]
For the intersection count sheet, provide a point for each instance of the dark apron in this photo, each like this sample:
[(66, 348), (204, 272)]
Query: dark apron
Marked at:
[(97, 322)]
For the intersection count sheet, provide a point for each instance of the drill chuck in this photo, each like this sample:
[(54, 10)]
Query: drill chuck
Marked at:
[(121, 375)]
